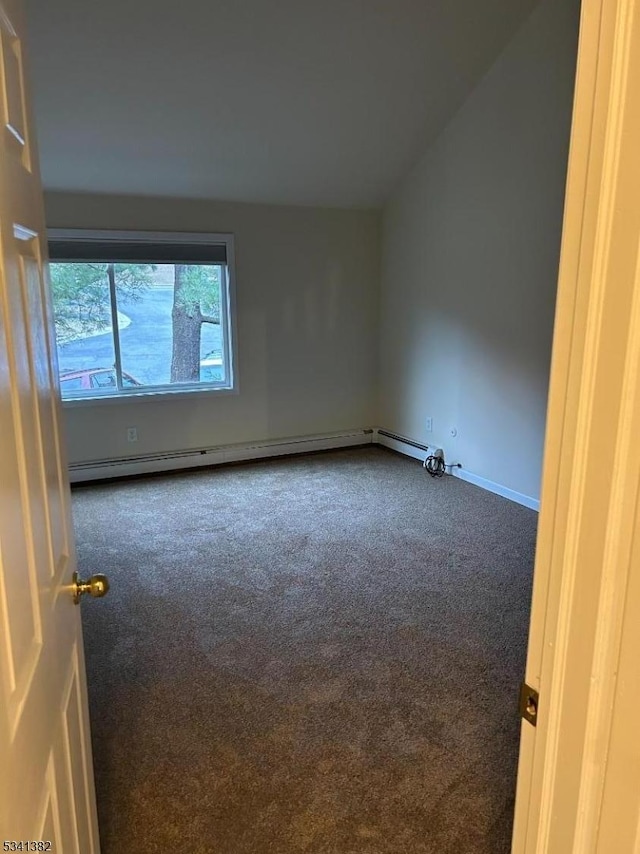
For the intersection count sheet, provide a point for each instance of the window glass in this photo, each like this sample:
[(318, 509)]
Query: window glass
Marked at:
[(169, 321), (172, 326), (82, 313), (104, 379), (70, 383)]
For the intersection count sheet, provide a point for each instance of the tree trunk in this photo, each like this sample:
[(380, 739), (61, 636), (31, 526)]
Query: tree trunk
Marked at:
[(187, 326)]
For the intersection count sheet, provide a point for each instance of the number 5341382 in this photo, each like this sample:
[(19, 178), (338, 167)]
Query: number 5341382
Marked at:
[(26, 845)]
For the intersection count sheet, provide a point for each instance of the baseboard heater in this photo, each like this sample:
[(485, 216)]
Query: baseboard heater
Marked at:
[(403, 439), (416, 450), (401, 444), (212, 456)]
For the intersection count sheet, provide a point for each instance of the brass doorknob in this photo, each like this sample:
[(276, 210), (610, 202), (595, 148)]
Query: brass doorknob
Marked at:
[(96, 586)]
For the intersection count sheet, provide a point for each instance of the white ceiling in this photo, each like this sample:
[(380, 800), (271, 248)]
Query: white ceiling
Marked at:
[(288, 101)]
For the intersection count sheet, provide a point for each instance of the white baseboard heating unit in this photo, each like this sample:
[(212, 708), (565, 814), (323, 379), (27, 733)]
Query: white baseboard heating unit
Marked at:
[(176, 460)]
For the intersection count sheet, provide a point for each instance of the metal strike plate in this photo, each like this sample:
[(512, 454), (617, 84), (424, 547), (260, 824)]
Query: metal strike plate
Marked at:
[(529, 704)]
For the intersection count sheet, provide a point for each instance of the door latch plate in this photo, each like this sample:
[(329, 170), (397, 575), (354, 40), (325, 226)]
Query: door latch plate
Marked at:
[(529, 704)]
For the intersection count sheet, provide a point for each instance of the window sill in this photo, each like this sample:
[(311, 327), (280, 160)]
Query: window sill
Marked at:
[(160, 396)]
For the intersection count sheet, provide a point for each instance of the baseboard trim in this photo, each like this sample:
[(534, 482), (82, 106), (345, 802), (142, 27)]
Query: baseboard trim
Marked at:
[(417, 451), (115, 469), (204, 457), (498, 489)]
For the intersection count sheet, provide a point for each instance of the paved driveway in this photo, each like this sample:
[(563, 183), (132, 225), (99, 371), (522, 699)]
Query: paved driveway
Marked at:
[(145, 344)]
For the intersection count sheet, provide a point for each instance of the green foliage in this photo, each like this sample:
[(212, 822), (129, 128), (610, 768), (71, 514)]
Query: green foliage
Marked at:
[(81, 294), (200, 290), (132, 280)]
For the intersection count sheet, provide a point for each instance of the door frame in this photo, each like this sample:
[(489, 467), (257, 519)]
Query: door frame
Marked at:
[(591, 470)]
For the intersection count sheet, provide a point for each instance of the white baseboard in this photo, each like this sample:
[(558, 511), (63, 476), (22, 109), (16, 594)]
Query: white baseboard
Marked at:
[(152, 463), (497, 488), (407, 447)]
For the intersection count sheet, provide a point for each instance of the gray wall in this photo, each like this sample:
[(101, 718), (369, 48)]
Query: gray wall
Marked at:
[(461, 326), (470, 256), (307, 294)]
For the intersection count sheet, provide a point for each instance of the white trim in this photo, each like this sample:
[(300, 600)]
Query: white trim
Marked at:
[(217, 455), (158, 394), (577, 780), (406, 448), (231, 320), (497, 488), (213, 456)]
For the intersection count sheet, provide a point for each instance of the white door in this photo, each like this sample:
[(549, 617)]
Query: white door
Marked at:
[(579, 773), (46, 774)]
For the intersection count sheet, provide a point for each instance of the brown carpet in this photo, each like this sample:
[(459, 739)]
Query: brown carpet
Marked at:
[(316, 655)]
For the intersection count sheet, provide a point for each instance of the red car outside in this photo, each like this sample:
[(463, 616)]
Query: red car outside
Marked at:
[(94, 378)]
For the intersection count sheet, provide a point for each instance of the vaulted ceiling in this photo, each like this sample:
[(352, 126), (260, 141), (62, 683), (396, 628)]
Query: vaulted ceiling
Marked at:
[(288, 101)]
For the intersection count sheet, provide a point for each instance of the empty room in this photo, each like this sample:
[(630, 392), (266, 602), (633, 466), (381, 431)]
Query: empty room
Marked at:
[(298, 317)]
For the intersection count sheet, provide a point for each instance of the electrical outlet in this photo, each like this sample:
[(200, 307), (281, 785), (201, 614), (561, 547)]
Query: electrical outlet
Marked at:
[(132, 434), (429, 424)]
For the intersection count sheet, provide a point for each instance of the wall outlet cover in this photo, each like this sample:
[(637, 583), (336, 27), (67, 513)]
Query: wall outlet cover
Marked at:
[(429, 424)]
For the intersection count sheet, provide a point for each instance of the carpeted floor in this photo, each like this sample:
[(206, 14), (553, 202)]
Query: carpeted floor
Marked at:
[(318, 655)]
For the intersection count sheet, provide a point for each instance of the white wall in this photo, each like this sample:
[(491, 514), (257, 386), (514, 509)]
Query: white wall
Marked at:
[(307, 293), (470, 254)]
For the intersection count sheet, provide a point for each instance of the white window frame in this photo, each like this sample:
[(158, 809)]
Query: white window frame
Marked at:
[(227, 305)]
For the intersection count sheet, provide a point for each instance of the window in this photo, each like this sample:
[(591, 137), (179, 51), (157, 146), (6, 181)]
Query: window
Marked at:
[(139, 313)]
